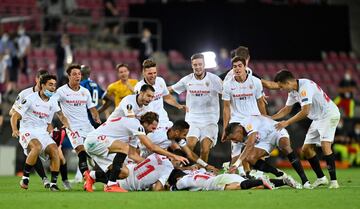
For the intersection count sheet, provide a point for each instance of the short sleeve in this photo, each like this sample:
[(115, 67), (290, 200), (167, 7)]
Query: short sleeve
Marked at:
[(259, 91), (180, 86), (226, 92), (218, 84), (306, 94), (250, 125), (110, 89), (89, 101), (165, 91), (291, 99), (23, 106), (126, 107), (136, 129)]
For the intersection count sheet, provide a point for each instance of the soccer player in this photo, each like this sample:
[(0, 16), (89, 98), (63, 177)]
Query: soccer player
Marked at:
[(39, 168), (174, 138), (262, 138), (152, 173), (161, 92), (96, 92), (242, 95), (134, 105), (325, 116), (35, 113), (199, 180), (202, 99), (75, 100), (124, 86), (120, 136)]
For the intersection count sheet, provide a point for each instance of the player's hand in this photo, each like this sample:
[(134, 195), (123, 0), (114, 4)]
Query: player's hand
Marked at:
[(281, 125), (67, 126), (15, 133), (232, 169), (212, 169), (195, 167), (181, 159), (183, 108), (50, 129), (97, 120)]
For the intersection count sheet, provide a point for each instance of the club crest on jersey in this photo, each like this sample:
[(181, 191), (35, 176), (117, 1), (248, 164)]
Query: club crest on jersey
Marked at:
[(207, 84), (23, 101), (249, 127), (303, 93), (251, 86)]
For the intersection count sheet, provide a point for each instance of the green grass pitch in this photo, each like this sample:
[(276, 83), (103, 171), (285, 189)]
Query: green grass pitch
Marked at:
[(13, 197)]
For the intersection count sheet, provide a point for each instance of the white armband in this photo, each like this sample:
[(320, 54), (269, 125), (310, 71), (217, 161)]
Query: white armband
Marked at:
[(182, 143), (237, 163), (201, 162)]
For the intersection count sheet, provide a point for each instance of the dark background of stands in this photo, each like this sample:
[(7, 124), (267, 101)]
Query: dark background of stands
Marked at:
[(271, 32)]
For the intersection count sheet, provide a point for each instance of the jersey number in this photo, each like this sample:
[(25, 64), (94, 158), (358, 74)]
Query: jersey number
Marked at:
[(95, 97), (149, 169), (326, 97)]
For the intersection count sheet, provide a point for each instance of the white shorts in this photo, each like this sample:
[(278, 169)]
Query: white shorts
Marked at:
[(201, 131), (322, 130), (272, 141), (220, 181), (26, 135), (78, 135), (99, 152)]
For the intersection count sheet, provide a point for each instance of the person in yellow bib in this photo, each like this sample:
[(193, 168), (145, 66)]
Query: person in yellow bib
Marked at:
[(124, 86)]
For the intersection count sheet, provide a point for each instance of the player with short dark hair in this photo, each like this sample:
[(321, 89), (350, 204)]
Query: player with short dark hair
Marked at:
[(325, 115)]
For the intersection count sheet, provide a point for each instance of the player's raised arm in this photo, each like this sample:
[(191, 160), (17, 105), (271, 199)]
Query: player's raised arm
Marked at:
[(155, 148)]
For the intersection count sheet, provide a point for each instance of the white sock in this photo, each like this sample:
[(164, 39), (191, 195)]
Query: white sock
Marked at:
[(92, 174), (110, 183)]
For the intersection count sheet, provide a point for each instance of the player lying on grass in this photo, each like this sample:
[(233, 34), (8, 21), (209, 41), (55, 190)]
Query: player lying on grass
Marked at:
[(174, 139), (200, 180), (262, 138), (117, 138)]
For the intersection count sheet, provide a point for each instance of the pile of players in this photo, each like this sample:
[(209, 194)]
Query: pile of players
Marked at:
[(139, 148)]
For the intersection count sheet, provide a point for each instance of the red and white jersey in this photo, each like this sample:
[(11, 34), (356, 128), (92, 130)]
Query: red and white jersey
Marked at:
[(24, 93), (202, 97), (74, 105), (129, 107), (310, 93), (203, 181), (35, 112), (123, 128), (143, 175), (243, 97), (230, 74), (157, 105)]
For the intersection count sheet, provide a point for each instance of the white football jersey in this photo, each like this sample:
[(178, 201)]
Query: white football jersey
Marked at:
[(24, 93), (123, 128), (129, 107), (74, 105), (158, 137), (310, 93), (157, 105), (264, 126), (35, 112), (230, 74), (203, 181), (202, 97), (143, 175), (243, 97)]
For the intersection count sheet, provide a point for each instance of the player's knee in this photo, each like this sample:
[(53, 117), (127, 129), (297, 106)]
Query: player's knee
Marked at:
[(307, 151), (251, 159)]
